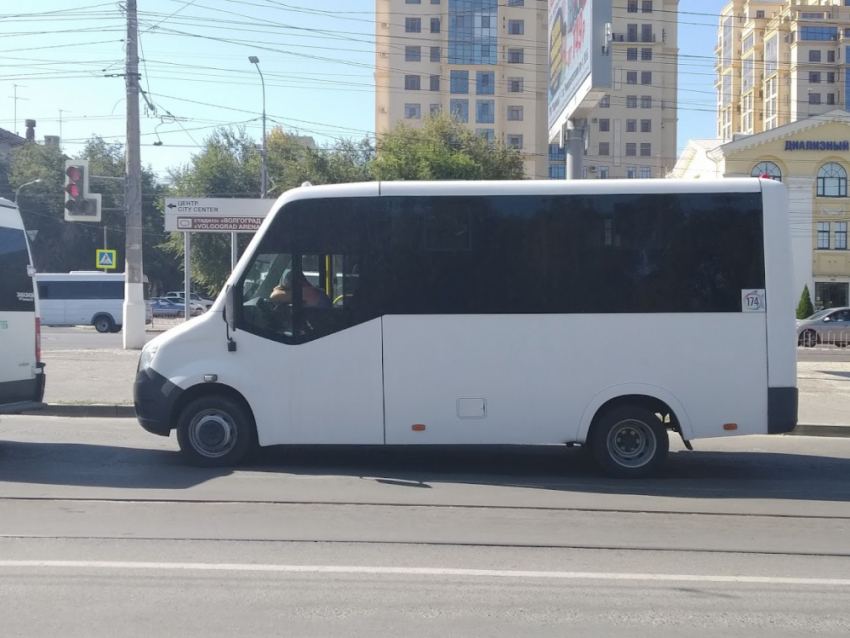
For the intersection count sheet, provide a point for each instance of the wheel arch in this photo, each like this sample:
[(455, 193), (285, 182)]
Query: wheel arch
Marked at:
[(652, 397)]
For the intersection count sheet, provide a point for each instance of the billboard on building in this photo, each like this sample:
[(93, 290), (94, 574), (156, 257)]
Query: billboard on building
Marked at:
[(579, 59)]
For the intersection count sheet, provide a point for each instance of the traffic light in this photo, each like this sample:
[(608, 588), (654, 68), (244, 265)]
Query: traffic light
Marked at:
[(80, 205)]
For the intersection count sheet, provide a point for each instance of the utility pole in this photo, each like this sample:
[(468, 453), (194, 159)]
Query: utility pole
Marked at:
[(61, 111), (15, 97), (134, 302)]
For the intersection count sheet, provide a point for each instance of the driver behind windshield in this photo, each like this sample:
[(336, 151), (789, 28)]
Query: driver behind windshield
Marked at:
[(311, 296)]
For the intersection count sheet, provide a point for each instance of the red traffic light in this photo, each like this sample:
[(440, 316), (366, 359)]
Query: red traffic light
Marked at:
[(73, 190), (74, 173)]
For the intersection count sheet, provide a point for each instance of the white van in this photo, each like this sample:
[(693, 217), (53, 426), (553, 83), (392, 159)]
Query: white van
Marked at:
[(86, 298), (21, 371), (598, 312)]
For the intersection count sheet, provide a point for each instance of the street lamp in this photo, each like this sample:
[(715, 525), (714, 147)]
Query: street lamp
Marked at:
[(253, 59), (35, 181)]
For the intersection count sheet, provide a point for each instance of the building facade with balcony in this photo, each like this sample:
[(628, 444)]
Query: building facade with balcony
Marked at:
[(812, 158), (779, 62), (632, 132), (485, 62), (482, 61)]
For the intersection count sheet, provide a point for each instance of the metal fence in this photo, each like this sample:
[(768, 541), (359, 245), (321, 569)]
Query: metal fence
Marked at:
[(815, 339)]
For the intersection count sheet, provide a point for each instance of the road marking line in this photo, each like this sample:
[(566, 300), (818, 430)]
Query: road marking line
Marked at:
[(423, 571)]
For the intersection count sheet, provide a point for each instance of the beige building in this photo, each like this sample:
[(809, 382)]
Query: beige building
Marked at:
[(632, 133), (779, 62), (812, 158), (485, 62)]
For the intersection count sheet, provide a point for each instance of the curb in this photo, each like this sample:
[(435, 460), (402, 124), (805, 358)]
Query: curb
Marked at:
[(821, 430), (82, 411)]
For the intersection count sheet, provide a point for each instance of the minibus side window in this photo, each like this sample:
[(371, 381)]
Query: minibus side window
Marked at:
[(302, 283), (16, 286)]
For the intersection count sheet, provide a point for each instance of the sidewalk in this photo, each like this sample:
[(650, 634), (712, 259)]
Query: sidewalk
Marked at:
[(94, 382), (824, 392), (87, 377)]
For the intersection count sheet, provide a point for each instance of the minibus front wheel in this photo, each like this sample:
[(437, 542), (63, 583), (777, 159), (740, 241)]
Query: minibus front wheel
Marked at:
[(215, 431)]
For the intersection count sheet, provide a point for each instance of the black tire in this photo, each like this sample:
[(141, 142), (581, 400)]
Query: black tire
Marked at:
[(116, 329), (629, 441), (215, 431), (808, 338), (103, 324)]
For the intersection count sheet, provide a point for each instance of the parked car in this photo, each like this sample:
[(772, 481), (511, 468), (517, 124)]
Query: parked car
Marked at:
[(162, 307), (831, 326), (195, 301)]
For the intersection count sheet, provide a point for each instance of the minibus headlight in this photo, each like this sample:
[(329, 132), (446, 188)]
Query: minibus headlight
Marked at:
[(148, 353)]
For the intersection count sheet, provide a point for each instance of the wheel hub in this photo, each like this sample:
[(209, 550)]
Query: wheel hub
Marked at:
[(212, 433), (631, 443)]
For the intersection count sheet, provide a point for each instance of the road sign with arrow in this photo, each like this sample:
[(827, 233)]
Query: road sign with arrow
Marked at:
[(215, 215)]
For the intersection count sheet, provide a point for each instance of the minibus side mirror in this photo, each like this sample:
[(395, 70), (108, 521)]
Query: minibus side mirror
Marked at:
[(230, 316), (229, 305)]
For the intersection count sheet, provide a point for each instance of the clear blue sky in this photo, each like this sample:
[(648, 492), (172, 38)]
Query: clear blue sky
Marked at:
[(317, 57)]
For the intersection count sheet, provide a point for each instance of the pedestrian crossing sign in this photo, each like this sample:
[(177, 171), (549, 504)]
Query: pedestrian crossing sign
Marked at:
[(106, 259)]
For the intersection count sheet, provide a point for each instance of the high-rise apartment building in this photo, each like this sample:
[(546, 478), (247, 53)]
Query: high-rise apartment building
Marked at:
[(632, 133), (482, 61), (485, 62), (779, 62)]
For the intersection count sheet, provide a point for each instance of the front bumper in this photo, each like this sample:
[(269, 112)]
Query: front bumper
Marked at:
[(781, 410), (154, 398)]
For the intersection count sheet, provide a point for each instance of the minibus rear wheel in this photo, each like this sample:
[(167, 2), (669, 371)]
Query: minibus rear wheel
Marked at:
[(215, 431), (629, 441)]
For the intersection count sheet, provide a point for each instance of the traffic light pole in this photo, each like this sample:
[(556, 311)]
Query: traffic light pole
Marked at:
[(134, 302)]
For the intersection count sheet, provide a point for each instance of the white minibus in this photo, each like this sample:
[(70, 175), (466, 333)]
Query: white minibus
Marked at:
[(603, 313), (21, 370), (86, 298)]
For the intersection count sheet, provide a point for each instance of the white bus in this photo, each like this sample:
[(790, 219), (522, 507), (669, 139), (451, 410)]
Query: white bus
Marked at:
[(85, 298), (603, 313), (21, 370)]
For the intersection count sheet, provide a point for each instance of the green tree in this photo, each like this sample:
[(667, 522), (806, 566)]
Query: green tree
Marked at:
[(291, 162), (229, 166), (443, 149), (61, 246), (805, 308)]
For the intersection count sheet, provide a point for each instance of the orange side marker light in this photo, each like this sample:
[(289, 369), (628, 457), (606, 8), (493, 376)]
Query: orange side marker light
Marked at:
[(730, 426), (418, 427)]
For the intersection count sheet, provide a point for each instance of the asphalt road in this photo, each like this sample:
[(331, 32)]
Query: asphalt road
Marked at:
[(104, 532)]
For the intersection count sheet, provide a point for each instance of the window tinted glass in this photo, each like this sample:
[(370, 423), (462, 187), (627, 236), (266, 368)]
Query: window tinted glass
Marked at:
[(71, 290), (320, 240), (513, 254), (16, 286), (574, 254)]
